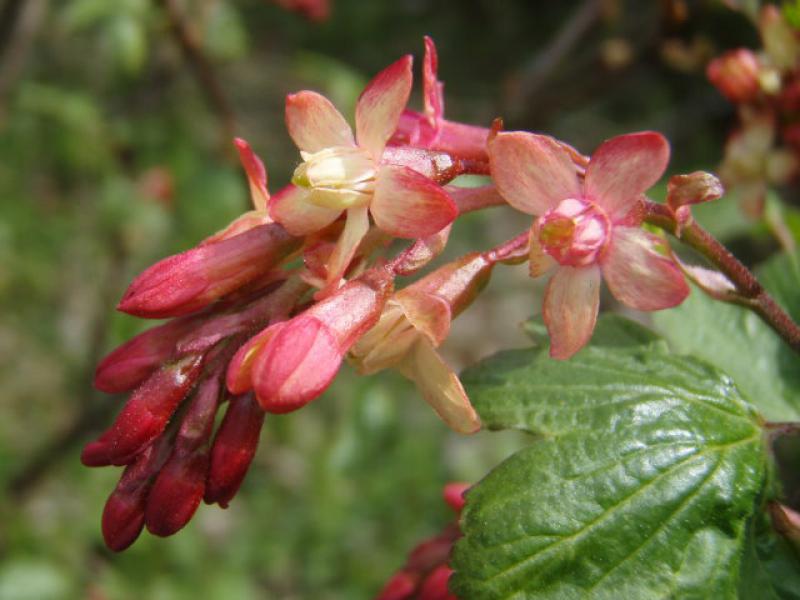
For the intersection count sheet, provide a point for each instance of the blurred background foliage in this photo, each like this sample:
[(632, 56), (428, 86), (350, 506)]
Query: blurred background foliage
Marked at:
[(115, 128)]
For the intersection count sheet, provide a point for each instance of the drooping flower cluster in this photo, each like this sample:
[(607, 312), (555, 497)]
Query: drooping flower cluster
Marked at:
[(263, 313), (764, 150)]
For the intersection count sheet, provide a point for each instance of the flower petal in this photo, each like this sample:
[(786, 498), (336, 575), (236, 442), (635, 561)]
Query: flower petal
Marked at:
[(440, 387), (297, 365), (623, 168), (239, 375), (428, 313), (571, 302), (256, 173), (532, 172), (432, 88), (355, 228), (314, 123), (380, 105), (409, 205), (638, 275), (539, 261), (291, 208)]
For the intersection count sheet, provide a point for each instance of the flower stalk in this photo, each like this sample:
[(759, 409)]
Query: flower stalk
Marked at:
[(749, 291)]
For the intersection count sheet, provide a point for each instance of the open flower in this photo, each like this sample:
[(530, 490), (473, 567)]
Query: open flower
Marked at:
[(414, 323), (343, 173), (588, 229)]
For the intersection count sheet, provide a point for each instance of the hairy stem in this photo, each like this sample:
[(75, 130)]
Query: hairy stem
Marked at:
[(752, 293)]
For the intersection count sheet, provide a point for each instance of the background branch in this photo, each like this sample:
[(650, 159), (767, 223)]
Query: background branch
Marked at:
[(201, 68)]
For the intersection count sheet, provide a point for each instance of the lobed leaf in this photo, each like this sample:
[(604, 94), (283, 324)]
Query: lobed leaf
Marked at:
[(644, 472)]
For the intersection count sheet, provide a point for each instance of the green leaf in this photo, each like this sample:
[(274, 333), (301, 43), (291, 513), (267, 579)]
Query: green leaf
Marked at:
[(645, 471), (781, 276), (612, 330), (738, 342), (770, 567)]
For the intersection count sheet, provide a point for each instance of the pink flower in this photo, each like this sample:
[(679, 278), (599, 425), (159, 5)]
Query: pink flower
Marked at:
[(413, 324), (345, 174), (589, 229), (291, 363)]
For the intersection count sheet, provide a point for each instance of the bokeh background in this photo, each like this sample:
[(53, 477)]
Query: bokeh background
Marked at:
[(115, 128)]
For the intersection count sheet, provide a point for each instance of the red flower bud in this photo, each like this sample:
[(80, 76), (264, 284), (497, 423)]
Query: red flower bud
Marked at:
[(123, 515), (131, 363), (735, 74), (433, 551), (303, 356), (694, 188), (189, 281), (401, 586), (454, 495), (145, 415), (233, 449), (180, 485), (435, 585)]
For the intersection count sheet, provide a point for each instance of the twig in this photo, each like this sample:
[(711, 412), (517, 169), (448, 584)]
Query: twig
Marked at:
[(536, 73), (753, 295), (19, 22), (202, 69)]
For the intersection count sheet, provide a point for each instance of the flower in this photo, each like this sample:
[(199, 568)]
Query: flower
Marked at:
[(414, 323), (588, 229), (291, 363), (341, 173)]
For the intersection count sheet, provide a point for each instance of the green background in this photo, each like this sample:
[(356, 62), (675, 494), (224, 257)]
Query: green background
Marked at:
[(112, 156)]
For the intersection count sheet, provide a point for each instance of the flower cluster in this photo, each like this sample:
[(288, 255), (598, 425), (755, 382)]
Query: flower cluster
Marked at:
[(262, 314), (765, 86), (426, 573)]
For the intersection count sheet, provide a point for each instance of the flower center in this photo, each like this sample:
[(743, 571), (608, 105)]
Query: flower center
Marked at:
[(338, 177), (574, 232)]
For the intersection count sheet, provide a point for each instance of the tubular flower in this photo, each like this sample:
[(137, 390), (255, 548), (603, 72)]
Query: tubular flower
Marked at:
[(291, 363), (414, 323), (341, 173), (588, 230)]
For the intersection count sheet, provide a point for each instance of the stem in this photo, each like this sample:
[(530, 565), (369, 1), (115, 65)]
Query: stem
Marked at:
[(513, 251), (440, 167), (201, 68), (472, 199), (755, 297)]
